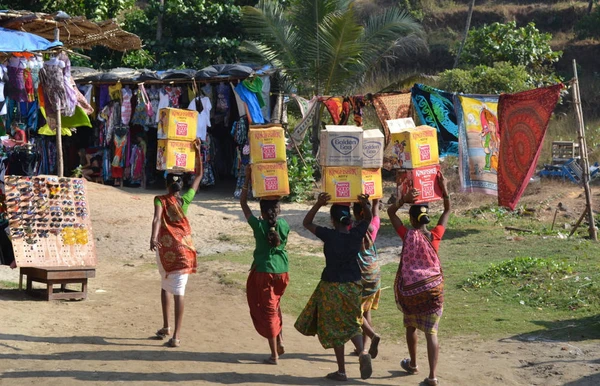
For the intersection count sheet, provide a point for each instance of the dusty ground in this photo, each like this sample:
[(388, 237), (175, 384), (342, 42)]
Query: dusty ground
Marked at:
[(105, 339)]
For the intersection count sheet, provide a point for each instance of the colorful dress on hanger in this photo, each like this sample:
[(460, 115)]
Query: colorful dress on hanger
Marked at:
[(154, 97), (70, 93), (126, 105), (118, 160), (16, 84)]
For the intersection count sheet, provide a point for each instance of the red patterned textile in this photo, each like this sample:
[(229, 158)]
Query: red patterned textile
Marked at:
[(176, 251), (335, 108), (391, 106), (523, 118)]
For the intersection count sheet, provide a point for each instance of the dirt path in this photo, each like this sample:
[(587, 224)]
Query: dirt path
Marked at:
[(106, 338)]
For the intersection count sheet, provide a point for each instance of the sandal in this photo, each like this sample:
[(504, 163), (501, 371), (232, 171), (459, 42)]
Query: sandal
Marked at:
[(373, 349), (431, 381), (366, 369), (271, 361), (337, 376), (280, 349), (173, 342), (405, 364), (163, 332)]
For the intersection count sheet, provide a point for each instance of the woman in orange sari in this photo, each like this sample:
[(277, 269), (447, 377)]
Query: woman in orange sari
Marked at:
[(172, 241)]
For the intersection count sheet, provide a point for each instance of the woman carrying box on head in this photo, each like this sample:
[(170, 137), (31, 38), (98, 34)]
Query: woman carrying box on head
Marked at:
[(419, 285), (268, 276), (172, 241), (371, 276), (334, 309)]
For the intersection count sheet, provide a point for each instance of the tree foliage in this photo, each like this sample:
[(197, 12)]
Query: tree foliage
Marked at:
[(589, 25), (320, 46), (525, 47), (502, 77)]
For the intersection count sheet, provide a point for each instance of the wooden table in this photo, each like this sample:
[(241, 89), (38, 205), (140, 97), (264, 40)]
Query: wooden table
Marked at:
[(58, 275)]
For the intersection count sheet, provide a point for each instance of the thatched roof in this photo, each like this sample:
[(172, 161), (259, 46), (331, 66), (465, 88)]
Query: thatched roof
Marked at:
[(75, 32)]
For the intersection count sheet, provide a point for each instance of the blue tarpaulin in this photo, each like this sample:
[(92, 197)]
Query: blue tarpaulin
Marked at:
[(17, 41)]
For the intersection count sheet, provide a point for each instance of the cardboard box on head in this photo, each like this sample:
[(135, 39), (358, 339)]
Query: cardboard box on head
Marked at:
[(341, 146), (177, 124), (267, 144), (423, 179), (175, 155), (343, 183), (372, 183), (373, 148), (270, 179), (411, 147)]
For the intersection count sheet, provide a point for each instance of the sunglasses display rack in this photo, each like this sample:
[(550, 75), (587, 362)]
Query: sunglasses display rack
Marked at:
[(49, 221)]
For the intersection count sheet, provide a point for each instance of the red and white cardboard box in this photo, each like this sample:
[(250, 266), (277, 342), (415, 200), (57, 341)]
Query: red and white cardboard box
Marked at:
[(424, 179)]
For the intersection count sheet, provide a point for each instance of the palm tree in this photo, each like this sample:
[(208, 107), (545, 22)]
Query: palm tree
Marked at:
[(320, 47)]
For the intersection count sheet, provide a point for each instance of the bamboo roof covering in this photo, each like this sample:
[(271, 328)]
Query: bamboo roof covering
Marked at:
[(75, 32)]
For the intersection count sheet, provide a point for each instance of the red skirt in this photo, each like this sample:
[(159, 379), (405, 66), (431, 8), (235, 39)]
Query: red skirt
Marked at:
[(264, 291)]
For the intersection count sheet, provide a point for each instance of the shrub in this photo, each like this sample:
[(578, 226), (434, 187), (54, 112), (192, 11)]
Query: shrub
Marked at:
[(502, 77)]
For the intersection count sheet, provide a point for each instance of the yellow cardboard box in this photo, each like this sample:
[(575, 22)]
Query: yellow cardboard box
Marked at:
[(177, 124), (412, 148), (372, 184), (270, 179), (267, 144), (343, 183), (175, 155)]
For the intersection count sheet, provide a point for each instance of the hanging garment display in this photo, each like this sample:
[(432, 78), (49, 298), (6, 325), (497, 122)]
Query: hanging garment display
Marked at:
[(118, 161), (203, 106), (241, 106), (255, 84), (523, 119), (3, 80), (15, 89), (251, 100), (357, 103), (435, 108), (391, 106), (71, 100), (479, 143), (334, 107), (53, 88), (126, 95), (154, 98), (308, 110)]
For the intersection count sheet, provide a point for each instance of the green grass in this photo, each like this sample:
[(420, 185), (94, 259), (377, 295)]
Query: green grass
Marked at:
[(473, 242), (8, 284)]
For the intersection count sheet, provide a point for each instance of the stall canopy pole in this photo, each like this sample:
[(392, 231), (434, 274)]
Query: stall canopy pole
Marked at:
[(59, 150), (584, 155)]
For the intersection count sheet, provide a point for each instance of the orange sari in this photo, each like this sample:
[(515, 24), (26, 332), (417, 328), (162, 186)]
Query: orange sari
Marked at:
[(177, 253)]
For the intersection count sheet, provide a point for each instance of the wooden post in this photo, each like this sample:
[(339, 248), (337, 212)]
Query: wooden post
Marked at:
[(59, 149), (584, 155)]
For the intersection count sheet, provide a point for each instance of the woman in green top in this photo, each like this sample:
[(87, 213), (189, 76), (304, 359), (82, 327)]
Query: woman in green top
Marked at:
[(269, 272), (172, 240)]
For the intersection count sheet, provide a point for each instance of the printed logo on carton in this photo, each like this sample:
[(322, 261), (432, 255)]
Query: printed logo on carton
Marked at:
[(181, 129), (369, 188), (427, 189), (264, 134), (271, 183), (342, 190), (425, 152), (345, 144), (180, 160), (426, 172), (269, 152), (348, 171), (371, 148)]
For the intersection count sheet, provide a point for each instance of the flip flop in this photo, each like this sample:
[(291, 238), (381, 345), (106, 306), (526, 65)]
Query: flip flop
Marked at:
[(431, 381), (366, 369), (337, 376), (174, 342), (163, 332), (280, 349), (270, 361), (374, 348), (405, 364)]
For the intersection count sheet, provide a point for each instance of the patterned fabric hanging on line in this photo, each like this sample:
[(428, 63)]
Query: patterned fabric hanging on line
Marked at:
[(308, 108), (479, 143), (391, 106), (435, 108), (523, 119)]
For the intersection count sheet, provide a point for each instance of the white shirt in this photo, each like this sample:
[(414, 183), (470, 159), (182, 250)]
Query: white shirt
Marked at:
[(203, 117)]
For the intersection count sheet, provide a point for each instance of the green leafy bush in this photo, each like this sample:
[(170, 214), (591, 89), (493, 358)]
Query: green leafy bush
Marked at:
[(502, 77), (589, 25), (301, 173)]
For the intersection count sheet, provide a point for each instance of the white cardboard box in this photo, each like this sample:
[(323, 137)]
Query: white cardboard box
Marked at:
[(373, 146), (341, 146)]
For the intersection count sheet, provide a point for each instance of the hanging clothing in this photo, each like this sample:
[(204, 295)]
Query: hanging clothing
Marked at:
[(241, 106), (251, 100), (391, 106), (114, 91), (163, 102), (255, 85), (334, 107), (173, 93), (118, 161), (16, 83), (308, 110), (357, 103), (154, 98), (3, 80), (203, 106), (71, 100), (29, 85), (523, 119), (53, 89), (126, 95)]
